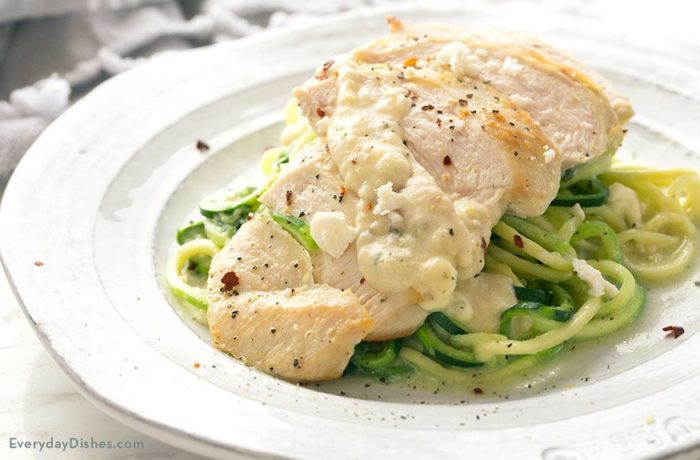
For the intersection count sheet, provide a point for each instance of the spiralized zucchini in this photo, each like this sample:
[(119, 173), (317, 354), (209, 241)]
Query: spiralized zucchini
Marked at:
[(178, 281), (632, 225)]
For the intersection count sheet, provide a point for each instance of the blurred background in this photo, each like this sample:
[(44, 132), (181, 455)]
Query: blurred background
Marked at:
[(53, 52)]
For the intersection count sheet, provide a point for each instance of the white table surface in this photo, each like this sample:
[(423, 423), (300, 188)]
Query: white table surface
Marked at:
[(38, 402)]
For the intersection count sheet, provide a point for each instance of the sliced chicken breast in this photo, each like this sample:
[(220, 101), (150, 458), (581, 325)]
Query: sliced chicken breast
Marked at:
[(265, 309), (581, 115), (473, 142)]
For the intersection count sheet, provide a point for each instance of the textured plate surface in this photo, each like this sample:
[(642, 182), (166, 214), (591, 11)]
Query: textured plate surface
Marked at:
[(98, 197)]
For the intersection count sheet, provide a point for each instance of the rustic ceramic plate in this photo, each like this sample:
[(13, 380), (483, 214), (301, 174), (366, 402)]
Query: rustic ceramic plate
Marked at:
[(99, 196)]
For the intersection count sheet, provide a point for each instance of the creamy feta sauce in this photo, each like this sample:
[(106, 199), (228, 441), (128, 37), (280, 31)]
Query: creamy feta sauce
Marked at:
[(410, 238), (625, 203), (478, 302)]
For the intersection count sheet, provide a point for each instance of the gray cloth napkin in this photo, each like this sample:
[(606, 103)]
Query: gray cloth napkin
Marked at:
[(53, 52)]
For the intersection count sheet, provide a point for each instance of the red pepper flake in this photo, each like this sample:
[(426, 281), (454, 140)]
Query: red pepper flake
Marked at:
[(288, 197), (478, 391), (202, 146), (427, 107), (447, 160), (196, 365), (518, 240), (230, 279), (320, 112), (39, 263), (674, 331), (394, 23), (323, 74)]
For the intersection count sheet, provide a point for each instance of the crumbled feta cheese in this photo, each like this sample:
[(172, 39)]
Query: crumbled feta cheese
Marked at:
[(481, 52), (549, 154), (624, 201), (578, 212), (511, 66), (459, 57), (332, 234), (598, 284), (519, 99), (387, 200)]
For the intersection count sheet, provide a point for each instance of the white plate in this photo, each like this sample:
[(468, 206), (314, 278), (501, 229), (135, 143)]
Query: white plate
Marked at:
[(98, 197)]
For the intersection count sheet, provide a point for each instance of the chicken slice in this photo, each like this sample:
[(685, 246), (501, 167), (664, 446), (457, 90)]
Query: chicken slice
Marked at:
[(316, 186), (581, 115), (310, 183), (265, 310), (484, 152)]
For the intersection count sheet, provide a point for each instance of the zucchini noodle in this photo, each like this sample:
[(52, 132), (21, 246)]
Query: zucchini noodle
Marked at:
[(179, 284), (620, 227), (631, 224)]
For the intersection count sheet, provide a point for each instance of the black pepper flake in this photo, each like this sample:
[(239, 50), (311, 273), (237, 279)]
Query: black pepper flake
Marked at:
[(495, 111), (288, 197), (234, 313), (362, 280), (296, 363), (296, 265), (273, 330), (230, 279), (478, 391), (427, 107), (452, 232), (202, 146), (463, 102), (447, 160), (674, 331)]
